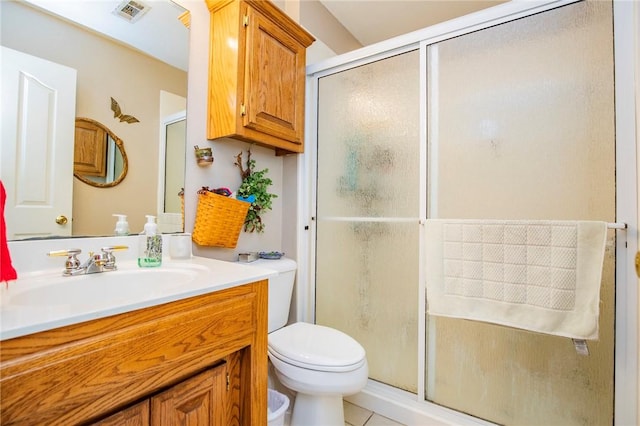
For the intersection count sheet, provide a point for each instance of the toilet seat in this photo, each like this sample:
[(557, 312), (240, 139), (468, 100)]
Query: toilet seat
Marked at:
[(316, 347)]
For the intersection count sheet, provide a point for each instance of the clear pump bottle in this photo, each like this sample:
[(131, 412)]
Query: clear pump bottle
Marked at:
[(122, 227), (150, 245)]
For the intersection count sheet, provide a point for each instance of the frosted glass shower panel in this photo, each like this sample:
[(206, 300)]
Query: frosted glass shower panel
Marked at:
[(525, 110), (368, 128), (367, 212), (521, 126), (367, 287)]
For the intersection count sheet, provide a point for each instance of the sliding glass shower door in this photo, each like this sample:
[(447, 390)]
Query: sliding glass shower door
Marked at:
[(368, 207), (521, 126)]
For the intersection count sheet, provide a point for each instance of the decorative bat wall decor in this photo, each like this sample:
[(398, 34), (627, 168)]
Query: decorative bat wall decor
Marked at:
[(117, 113)]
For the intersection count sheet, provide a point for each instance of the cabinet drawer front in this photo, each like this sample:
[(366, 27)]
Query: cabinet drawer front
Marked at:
[(84, 379)]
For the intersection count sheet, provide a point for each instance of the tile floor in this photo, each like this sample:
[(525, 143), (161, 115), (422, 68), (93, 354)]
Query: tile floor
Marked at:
[(358, 416)]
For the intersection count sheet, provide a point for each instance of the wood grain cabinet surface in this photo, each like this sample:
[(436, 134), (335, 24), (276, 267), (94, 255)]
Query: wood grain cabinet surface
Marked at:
[(199, 401), (256, 75), (90, 149), (136, 415), (198, 361)]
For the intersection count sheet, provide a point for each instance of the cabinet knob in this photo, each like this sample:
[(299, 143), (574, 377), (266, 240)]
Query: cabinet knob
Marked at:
[(243, 110), (61, 220)]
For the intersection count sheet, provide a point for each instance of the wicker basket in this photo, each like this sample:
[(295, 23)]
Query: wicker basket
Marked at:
[(219, 220)]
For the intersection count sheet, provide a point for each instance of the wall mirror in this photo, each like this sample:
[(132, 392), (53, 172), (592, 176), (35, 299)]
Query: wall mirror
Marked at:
[(171, 179), (142, 63), (99, 157)]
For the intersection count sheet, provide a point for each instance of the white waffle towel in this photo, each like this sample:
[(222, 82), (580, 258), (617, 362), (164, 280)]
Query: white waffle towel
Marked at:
[(542, 276)]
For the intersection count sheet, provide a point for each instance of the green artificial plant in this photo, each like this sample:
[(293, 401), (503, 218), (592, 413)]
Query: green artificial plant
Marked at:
[(254, 183)]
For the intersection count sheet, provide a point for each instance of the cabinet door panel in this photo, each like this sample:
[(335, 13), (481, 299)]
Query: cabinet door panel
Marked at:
[(138, 415), (273, 87), (89, 153), (199, 401)]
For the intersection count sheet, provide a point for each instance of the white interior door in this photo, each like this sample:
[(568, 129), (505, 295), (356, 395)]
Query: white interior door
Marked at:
[(36, 150)]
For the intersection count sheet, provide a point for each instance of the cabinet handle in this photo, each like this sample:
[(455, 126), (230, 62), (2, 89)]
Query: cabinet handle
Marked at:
[(638, 264), (245, 21), (243, 110)]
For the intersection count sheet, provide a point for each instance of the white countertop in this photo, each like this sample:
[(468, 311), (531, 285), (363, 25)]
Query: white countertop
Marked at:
[(20, 315)]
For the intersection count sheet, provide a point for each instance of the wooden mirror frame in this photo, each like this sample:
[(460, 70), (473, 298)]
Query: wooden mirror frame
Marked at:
[(119, 145)]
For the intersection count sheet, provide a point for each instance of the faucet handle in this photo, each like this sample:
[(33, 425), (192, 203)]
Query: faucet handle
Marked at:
[(72, 263), (109, 258), (68, 252), (109, 249)]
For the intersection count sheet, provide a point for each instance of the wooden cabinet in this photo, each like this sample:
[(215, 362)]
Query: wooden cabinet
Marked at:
[(137, 415), (256, 75), (90, 149), (198, 401), (197, 361)]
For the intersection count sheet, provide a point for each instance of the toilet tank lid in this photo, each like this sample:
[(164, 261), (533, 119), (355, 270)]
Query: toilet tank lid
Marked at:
[(284, 264)]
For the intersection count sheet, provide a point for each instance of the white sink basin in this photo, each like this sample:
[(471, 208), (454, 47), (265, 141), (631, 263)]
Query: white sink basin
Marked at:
[(100, 289), (43, 300)]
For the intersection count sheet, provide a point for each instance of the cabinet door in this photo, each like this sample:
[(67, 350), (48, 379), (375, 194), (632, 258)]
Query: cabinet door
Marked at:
[(198, 401), (274, 79), (138, 415), (90, 151)]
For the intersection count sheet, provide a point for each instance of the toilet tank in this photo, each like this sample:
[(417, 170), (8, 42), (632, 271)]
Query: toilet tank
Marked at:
[(280, 289)]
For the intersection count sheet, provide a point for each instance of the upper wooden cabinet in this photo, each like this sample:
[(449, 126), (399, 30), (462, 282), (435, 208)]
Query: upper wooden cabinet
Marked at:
[(89, 154), (256, 75)]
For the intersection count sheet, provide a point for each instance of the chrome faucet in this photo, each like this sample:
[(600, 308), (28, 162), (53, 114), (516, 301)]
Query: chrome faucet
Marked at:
[(104, 261)]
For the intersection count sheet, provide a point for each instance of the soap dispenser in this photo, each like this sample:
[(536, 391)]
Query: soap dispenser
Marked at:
[(150, 245), (122, 227)]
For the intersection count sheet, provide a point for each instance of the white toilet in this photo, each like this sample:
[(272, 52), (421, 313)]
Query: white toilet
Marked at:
[(319, 363)]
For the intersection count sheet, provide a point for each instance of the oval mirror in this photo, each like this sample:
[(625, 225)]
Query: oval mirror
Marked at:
[(99, 158)]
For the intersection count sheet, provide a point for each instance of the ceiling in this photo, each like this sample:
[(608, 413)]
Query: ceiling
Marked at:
[(158, 32), (371, 21)]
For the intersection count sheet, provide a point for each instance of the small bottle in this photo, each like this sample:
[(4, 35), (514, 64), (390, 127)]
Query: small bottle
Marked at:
[(150, 245), (122, 226)]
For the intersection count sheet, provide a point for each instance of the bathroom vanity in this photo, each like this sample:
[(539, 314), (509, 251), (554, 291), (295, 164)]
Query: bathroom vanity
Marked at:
[(200, 358)]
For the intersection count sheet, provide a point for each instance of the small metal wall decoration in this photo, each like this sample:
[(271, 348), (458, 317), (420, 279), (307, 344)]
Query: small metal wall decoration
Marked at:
[(204, 156), (117, 113)]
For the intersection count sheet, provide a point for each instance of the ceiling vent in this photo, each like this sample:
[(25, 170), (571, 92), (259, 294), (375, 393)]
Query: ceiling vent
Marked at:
[(131, 10)]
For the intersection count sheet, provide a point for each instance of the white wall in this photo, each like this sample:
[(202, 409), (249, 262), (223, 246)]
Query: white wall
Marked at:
[(222, 173), (637, 96)]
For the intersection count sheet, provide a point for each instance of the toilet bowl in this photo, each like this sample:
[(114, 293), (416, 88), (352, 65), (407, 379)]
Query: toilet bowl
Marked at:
[(320, 364)]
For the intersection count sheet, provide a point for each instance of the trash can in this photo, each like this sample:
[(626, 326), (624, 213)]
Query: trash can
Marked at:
[(277, 405)]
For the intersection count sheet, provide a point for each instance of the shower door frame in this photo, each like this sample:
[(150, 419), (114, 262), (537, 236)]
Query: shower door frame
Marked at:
[(413, 408)]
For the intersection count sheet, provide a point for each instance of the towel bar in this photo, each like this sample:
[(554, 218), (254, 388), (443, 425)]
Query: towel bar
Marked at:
[(616, 225)]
